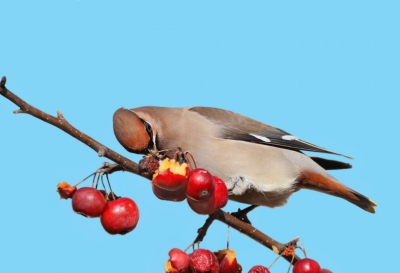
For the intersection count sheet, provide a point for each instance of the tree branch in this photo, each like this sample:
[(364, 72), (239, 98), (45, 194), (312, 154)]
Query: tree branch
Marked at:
[(130, 166), (246, 229), (61, 123)]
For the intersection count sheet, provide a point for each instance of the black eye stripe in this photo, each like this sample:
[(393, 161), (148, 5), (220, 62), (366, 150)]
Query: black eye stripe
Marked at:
[(149, 131), (148, 128)]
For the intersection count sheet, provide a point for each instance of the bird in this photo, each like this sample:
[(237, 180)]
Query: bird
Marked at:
[(260, 164)]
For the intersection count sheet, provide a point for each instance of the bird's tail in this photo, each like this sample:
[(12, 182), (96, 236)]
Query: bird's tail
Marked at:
[(318, 182)]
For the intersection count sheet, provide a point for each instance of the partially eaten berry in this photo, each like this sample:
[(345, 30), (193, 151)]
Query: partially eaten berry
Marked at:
[(65, 190), (175, 195), (171, 175), (227, 261), (178, 261)]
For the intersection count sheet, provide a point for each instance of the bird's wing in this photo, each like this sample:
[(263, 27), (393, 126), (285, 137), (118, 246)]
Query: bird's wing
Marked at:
[(237, 127)]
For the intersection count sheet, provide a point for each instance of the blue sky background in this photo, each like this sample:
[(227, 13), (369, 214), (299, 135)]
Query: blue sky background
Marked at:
[(325, 71)]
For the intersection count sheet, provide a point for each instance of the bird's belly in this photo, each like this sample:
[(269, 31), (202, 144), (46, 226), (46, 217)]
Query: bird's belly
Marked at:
[(254, 174), (268, 199)]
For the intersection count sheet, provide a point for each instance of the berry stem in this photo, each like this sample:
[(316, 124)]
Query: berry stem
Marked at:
[(77, 184), (108, 181), (192, 157), (227, 238), (191, 245)]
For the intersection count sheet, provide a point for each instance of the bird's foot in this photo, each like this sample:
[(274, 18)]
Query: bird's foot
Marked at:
[(242, 214)]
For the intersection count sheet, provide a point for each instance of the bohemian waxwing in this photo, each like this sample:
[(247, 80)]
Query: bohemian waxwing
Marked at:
[(260, 164)]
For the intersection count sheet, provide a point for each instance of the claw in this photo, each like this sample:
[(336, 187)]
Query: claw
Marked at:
[(242, 214)]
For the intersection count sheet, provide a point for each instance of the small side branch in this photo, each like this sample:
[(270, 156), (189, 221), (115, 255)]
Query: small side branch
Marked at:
[(255, 234), (109, 168), (247, 229)]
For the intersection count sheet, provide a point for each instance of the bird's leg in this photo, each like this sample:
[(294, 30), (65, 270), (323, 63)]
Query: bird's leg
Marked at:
[(179, 156), (242, 214), (162, 153)]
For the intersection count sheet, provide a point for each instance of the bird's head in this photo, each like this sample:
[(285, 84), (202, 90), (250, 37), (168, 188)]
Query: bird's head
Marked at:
[(133, 132)]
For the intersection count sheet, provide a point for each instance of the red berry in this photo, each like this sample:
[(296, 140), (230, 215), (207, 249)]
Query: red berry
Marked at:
[(202, 261), (120, 216), (203, 207), (324, 270), (227, 261), (178, 261), (171, 175), (217, 200), (220, 193), (306, 266), (200, 184), (259, 269), (176, 195), (88, 202)]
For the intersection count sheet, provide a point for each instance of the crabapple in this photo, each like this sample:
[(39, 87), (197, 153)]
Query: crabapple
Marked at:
[(202, 261), (306, 265), (88, 202), (200, 184), (259, 269), (120, 216), (178, 261), (171, 175)]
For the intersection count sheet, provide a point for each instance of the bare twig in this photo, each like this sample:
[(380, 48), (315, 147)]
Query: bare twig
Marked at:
[(246, 229), (130, 166), (109, 168), (61, 123)]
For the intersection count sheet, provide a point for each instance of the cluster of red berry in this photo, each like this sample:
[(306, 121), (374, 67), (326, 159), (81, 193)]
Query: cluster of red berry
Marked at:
[(224, 261), (171, 181), (202, 260), (303, 266), (118, 215), (174, 181)]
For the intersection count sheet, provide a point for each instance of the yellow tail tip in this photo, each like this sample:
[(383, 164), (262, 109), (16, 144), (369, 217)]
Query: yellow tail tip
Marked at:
[(371, 207), (373, 203)]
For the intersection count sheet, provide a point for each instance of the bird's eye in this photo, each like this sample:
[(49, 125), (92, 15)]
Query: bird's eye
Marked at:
[(148, 128), (149, 131)]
